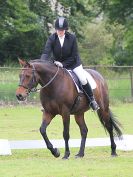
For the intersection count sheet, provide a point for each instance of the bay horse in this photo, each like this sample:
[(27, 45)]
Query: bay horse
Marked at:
[(58, 95)]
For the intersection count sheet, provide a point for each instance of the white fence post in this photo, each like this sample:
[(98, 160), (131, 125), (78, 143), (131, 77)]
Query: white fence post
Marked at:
[(5, 147)]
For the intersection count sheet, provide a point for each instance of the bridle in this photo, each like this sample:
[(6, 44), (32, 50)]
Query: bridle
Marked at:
[(33, 81)]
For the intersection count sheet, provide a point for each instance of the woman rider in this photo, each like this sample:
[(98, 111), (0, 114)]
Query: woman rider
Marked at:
[(62, 45)]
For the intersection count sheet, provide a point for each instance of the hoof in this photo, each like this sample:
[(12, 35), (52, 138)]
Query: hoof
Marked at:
[(114, 155), (56, 152), (66, 156), (79, 156)]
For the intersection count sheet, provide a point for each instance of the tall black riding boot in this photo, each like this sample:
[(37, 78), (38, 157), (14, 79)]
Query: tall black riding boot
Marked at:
[(89, 93)]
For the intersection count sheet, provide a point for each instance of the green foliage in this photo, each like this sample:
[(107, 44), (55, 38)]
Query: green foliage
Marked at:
[(26, 24), (119, 12), (22, 29), (123, 44), (79, 12), (95, 47), (16, 17)]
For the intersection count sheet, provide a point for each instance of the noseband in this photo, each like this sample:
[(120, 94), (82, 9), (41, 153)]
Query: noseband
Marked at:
[(33, 81)]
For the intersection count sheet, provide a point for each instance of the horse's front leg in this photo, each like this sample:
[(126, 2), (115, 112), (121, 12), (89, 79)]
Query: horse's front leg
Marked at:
[(66, 124), (45, 122), (83, 130)]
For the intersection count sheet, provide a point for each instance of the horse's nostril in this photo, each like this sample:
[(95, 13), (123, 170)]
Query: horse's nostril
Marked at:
[(19, 96)]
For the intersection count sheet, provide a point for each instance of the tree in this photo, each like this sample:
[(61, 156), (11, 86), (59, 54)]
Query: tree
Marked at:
[(22, 30), (80, 11), (120, 12), (95, 48)]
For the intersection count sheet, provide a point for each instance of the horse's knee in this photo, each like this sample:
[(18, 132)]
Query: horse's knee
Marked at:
[(42, 131)]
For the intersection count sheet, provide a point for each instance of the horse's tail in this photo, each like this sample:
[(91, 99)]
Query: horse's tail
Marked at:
[(116, 125)]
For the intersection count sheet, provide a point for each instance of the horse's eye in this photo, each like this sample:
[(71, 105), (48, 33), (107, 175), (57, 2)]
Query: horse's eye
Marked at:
[(27, 76)]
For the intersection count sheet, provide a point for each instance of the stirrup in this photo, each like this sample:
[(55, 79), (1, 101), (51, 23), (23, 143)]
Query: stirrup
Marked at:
[(94, 105)]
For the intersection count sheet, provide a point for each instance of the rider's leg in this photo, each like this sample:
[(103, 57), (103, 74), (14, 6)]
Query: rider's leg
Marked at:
[(79, 71), (88, 91)]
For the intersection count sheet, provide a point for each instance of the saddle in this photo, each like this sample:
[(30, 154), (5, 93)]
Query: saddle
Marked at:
[(76, 81)]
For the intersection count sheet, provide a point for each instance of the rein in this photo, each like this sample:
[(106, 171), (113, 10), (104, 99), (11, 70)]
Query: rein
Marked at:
[(49, 82), (33, 80)]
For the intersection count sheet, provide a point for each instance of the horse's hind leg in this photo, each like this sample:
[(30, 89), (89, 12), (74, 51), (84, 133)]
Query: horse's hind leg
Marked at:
[(45, 122), (112, 125), (83, 130)]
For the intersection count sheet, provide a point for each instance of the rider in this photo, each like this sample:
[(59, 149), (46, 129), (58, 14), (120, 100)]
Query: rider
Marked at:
[(62, 45)]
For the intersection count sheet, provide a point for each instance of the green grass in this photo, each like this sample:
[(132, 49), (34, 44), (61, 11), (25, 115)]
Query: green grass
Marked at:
[(119, 83), (40, 163), (23, 122), (9, 81), (8, 84), (120, 89)]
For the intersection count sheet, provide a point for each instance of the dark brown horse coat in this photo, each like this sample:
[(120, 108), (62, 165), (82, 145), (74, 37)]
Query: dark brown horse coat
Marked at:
[(58, 95)]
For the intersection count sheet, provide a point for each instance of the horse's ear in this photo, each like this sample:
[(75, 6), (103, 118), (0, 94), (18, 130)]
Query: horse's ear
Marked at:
[(23, 62)]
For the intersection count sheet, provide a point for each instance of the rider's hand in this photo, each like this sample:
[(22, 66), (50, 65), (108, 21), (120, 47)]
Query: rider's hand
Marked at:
[(57, 63)]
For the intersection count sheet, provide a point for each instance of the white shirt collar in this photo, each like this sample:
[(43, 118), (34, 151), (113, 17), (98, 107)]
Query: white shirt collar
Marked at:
[(61, 39)]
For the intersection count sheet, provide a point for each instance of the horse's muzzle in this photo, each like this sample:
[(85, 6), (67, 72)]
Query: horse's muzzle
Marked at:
[(21, 95)]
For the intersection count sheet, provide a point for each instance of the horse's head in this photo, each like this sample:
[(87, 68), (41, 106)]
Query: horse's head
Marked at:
[(28, 80)]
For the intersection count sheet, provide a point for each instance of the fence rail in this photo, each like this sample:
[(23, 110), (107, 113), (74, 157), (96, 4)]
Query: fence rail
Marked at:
[(119, 80), (116, 69)]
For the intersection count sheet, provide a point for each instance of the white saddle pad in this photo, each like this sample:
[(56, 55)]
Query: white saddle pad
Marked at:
[(91, 80)]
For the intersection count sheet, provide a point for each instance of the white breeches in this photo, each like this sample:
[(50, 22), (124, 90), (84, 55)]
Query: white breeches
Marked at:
[(80, 72)]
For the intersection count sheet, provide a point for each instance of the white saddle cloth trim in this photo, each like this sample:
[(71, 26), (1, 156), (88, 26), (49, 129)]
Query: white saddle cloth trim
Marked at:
[(91, 80)]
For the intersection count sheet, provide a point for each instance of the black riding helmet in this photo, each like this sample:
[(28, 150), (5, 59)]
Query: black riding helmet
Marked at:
[(61, 24)]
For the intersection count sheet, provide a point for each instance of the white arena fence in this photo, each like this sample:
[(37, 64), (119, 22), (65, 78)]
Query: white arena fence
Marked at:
[(126, 144)]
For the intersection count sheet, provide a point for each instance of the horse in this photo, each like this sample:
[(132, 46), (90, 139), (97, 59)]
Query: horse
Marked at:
[(59, 96)]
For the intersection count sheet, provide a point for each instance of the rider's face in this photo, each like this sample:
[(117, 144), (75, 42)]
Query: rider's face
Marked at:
[(60, 33)]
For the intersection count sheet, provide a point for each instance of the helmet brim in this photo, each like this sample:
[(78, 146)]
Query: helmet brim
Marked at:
[(61, 29)]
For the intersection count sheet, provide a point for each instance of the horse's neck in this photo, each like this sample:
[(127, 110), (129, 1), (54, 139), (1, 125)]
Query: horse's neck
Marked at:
[(46, 72)]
